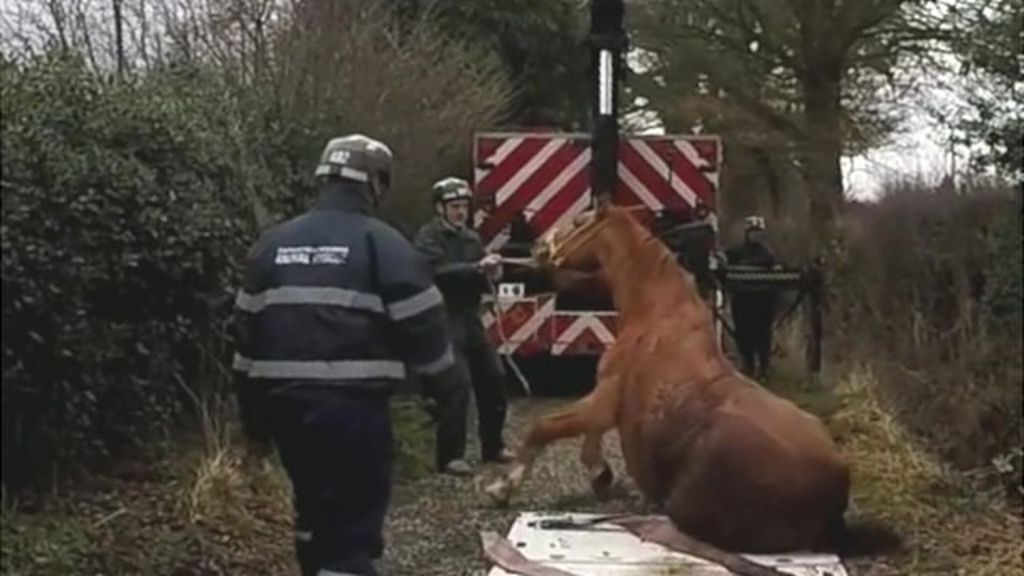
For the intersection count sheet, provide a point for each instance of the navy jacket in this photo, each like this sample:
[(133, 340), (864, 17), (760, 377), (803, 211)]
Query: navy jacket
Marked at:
[(335, 299), (751, 253)]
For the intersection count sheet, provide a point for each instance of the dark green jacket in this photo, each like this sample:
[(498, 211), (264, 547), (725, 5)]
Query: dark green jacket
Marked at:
[(453, 254)]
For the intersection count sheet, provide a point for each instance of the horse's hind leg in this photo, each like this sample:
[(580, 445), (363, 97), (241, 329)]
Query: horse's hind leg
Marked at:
[(601, 476), (591, 415)]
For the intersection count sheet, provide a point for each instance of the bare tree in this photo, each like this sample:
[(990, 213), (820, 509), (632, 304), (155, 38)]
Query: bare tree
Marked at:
[(350, 67), (320, 66), (802, 76)]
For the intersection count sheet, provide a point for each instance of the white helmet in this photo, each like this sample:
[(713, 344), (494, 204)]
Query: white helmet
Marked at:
[(451, 189), (359, 158)]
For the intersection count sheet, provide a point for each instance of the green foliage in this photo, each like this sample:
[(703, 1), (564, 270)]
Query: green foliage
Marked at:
[(128, 204), (44, 547), (990, 47), (1004, 297), (541, 45), (121, 229), (414, 438)]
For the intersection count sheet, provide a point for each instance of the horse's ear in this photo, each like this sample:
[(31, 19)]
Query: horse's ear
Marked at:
[(603, 206)]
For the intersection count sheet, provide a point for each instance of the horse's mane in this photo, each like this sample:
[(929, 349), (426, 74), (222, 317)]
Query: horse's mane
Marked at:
[(662, 259)]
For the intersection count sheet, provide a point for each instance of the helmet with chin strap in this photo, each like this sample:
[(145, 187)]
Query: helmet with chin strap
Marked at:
[(357, 158), (451, 190)]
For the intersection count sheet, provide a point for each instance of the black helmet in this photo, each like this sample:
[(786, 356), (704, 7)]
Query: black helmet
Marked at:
[(359, 158), (450, 190)]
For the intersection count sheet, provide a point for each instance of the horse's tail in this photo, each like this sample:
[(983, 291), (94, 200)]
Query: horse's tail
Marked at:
[(863, 538)]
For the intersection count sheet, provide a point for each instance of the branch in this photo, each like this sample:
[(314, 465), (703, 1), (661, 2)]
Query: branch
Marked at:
[(856, 31), (55, 9), (781, 58)]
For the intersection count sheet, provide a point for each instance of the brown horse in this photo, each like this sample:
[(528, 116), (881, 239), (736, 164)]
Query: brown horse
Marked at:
[(731, 463)]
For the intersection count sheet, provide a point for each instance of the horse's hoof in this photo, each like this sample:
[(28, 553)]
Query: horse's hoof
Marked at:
[(601, 483), (500, 492)]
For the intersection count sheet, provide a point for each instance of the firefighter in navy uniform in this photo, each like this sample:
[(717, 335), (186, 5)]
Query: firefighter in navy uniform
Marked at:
[(335, 306), (463, 272), (753, 311)]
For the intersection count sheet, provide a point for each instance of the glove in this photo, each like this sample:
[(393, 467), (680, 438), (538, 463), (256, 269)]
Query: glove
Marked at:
[(491, 266), (494, 274), (490, 261)]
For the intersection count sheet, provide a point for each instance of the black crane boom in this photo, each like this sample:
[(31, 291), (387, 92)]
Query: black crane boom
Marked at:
[(608, 43)]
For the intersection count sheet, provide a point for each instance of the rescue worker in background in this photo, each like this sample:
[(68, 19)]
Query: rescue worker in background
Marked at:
[(335, 305), (753, 310), (464, 271)]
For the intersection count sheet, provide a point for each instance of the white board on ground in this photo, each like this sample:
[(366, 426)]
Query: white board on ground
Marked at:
[(606, 550)]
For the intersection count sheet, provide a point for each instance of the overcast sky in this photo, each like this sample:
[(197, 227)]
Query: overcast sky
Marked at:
[(918, 150)]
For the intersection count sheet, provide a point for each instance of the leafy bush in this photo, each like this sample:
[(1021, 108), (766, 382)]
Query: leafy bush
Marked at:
[(121, 229), (128, 202), (1004, 296)]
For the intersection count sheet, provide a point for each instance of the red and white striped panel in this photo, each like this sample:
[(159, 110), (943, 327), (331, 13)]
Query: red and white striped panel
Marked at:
[(582, 333), (546, 177), (666, 173), (532, 326), (524, 329)]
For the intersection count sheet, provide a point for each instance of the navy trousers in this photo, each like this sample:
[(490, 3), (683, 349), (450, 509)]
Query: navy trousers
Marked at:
[(477, 367), (336, 446), (753, 314)]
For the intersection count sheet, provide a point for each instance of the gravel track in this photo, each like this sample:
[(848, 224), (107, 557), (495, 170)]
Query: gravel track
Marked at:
[(434, 523)]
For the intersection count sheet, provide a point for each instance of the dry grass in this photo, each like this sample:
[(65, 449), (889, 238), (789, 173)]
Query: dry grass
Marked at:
[(928, 293), (218, 479), (205, 510), (951, 521), (950, 526)]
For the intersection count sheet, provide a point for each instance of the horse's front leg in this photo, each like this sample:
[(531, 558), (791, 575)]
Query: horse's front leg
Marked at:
[(591, 415)]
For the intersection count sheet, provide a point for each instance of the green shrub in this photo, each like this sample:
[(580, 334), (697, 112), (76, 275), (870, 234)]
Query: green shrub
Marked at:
[(124, 218), (128, 203), (930, 294), (1004, 296)]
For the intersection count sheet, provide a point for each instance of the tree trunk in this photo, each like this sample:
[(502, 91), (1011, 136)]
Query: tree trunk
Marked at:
[(822, 149), (119, 38), (768, 169)]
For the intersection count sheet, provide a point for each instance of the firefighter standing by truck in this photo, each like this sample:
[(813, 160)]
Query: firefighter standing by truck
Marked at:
[(464, 272), (335, 305), (753, 311)]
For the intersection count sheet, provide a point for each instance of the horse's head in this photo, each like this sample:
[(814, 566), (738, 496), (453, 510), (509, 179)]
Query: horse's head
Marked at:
[(573, 245)]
